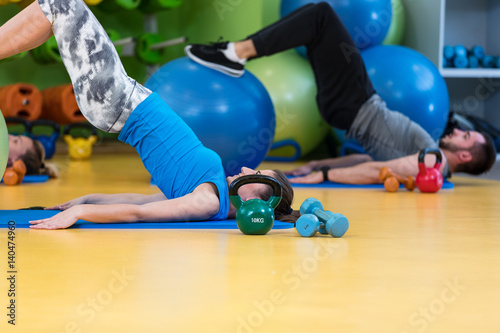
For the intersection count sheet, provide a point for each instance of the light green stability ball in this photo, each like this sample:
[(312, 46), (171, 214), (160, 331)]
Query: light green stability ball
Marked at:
[(4, 145), (289, 80)]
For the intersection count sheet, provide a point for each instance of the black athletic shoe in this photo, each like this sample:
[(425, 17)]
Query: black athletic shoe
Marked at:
[(212, 56)]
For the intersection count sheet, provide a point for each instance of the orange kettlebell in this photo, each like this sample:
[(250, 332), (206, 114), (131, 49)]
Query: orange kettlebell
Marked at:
[(14, 175)]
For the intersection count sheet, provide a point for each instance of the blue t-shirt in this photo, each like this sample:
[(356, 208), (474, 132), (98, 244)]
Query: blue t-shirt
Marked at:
[(172, 153)]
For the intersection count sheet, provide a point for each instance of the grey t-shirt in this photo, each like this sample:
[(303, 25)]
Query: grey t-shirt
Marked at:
[(387, 135)]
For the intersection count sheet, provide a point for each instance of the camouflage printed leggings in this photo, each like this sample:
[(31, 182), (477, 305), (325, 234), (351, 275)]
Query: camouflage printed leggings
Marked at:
[(105, 93)]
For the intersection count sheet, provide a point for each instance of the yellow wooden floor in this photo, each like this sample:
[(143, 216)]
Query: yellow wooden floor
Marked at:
[(410, 262)]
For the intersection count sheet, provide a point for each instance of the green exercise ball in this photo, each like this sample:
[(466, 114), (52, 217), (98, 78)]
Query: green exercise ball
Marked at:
[(290, 82), (4, 145), (397, 28)]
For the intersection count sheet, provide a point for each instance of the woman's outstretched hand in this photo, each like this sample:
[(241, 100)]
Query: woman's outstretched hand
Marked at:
[(61, 220), (69, 204)]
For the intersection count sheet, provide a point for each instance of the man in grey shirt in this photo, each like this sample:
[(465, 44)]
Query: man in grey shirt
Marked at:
[(347, 100)]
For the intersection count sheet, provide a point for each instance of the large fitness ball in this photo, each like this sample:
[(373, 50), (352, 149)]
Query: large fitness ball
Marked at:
[(409, 83), (232, 116), (367, 21), (4, 145), (290, 82)]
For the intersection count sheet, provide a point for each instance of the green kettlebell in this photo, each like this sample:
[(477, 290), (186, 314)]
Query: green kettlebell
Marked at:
[(255, 216)]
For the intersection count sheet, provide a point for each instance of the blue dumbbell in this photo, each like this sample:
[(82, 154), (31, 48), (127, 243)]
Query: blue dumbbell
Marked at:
[(460, 62), (488, 61), (447, 63), (308, 225), (334, 224), (322, 226), (497, 62), (473, 61), (448, 52), (477, 51), (460, 51)]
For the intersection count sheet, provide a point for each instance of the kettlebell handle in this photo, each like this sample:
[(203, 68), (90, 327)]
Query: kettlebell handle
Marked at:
[(273, 201), (45, 122), (80, 125), (433, 151), (22, 121)]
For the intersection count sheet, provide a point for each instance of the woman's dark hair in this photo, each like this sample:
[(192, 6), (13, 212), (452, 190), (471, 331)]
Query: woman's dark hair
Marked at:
[(33, 158), (283, 212)]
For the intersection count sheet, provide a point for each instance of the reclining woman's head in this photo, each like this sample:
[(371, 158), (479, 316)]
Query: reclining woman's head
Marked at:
[(283, 212), (31, 152)]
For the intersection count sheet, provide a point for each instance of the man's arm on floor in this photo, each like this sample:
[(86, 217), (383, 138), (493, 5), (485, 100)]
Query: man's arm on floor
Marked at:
[(335, 162), (365, 173)]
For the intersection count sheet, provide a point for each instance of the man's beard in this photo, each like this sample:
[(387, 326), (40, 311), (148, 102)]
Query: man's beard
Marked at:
[(451, 147)]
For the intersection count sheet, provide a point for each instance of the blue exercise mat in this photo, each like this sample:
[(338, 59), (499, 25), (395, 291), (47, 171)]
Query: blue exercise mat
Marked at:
[(329, 184), (22, 218), (34, 179)]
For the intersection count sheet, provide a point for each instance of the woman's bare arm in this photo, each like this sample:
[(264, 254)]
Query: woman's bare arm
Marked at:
[(108, 199), (201, 204)]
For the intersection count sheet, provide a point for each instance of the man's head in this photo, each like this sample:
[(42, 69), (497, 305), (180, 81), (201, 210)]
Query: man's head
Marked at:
[(30, 151), (470, 151)]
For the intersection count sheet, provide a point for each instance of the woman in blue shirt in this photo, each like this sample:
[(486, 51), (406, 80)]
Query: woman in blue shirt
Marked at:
[(190, 176)]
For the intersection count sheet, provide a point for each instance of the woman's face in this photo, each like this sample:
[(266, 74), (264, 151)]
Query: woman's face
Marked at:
[(18, 146), (251, 191)]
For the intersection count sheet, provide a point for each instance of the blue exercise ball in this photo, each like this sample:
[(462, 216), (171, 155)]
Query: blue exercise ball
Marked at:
[(232, 116), (411, 84), (367, 21)]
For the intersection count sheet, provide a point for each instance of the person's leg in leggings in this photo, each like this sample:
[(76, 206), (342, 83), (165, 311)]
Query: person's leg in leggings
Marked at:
[(341, 78), (282, 42), (105, 94)]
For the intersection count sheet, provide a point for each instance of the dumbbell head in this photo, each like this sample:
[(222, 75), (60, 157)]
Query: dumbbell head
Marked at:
[(384, 173), (337, 225), (310, 205), (10, 177), (410, 183), (15, 174), (143, 49), (391, 184), (307, 225), (19, 167)]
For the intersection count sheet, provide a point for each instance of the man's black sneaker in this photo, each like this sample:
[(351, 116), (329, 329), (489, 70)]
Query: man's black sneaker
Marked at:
[(212, 56)]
